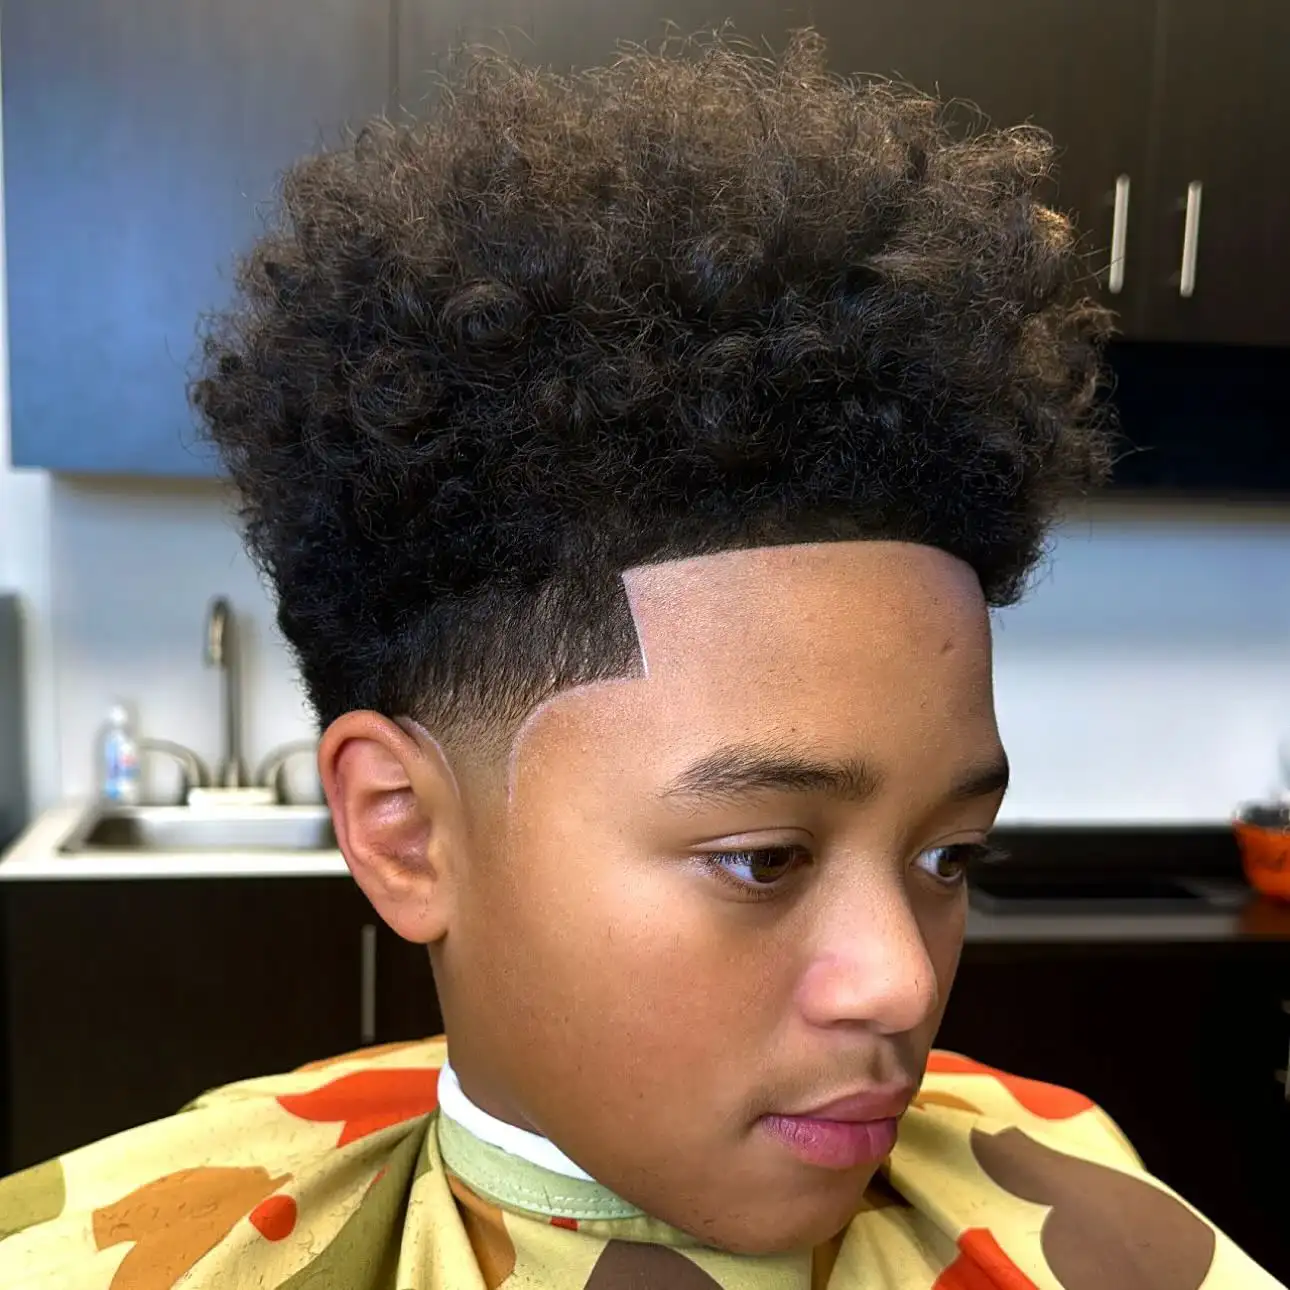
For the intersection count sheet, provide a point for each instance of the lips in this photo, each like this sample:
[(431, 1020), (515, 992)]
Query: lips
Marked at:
[(859, 1129), (888, 1103)]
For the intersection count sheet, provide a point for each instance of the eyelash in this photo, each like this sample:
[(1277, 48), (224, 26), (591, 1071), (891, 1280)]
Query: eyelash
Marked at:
[(718, 862)]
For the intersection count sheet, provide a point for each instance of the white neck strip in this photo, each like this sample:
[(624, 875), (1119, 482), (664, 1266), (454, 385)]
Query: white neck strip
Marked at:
[(497, 1133)]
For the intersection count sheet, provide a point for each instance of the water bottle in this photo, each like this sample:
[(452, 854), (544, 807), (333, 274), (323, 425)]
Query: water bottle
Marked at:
[(119, 759)]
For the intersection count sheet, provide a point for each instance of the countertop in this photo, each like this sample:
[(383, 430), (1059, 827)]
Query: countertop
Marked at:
[(35, 857)]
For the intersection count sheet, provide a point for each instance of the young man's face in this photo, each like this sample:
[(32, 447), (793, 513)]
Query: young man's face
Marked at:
[(714, 898)]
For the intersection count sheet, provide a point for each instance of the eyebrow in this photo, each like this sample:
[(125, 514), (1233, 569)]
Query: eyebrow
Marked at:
[(743, 770)]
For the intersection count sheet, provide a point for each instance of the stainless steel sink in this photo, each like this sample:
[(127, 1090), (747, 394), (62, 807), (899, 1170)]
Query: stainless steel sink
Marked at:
[(186, 828)]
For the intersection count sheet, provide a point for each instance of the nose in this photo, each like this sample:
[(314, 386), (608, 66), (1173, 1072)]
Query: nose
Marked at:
[(870, 966)]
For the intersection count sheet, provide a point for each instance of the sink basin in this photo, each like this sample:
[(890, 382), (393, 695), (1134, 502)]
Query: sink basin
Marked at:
[(185, 828)]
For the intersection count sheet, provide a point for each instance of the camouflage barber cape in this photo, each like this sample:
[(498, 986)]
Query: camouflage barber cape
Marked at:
[(343, 1176)]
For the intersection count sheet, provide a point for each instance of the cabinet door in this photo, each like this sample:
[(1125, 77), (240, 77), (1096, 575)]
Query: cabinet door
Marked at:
[(1079, 68), (1222, 274), (406, 1004), (127, 999), (141, 139)]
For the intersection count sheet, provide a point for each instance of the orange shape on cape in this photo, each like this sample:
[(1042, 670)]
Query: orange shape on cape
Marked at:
[(365, 1101), (274, 1218), (1049, 1101), (982, 1265), (175, 1221)]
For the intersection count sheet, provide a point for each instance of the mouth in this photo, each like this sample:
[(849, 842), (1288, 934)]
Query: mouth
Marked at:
[(845, 1133)]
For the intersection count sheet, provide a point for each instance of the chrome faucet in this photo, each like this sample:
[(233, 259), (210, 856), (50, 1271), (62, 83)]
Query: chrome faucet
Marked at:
[(221, 652)]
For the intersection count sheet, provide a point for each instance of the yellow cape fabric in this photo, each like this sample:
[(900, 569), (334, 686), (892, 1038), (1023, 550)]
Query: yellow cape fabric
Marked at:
[(341, 1176)]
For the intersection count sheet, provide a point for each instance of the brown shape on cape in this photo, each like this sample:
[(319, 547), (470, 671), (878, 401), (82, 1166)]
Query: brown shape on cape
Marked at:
[(176, 1220), (634, 1265), (486, 1230), (1106, 1228)]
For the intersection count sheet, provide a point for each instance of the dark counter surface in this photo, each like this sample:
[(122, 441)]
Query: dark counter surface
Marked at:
[(1205, 854)]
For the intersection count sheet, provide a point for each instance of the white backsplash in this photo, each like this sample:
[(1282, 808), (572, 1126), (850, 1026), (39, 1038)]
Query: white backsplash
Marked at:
[(135, 567)]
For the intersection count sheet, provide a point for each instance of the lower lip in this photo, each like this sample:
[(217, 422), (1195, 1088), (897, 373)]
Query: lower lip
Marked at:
[(834, 1144)]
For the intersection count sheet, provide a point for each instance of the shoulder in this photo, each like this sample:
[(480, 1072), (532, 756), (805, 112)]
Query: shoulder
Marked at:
[(1013, 1177), (268, 1169), (955, 1083)]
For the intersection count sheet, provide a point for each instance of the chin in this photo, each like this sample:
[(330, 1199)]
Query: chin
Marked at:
[(809, 1219)]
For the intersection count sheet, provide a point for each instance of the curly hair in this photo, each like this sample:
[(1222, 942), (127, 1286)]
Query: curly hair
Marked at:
[(696, 300)]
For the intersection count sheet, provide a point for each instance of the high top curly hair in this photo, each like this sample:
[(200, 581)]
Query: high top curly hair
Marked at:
[(697, 300)]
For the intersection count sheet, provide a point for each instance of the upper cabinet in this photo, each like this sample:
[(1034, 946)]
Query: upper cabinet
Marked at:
[(141, 140), (143, 136), (1218, 248), (1079, 68)]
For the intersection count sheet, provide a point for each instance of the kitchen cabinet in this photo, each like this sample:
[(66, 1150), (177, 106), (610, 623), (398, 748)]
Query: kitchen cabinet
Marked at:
[(1185, 1047), (1221, 273), (126, 999), (1078, 68), (1084, 74), (1144, 98), (141, 138)]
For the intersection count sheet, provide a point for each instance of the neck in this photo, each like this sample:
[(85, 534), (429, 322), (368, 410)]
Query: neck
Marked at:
[(537, 1150)]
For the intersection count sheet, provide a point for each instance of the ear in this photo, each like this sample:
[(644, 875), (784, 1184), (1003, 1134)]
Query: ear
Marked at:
[(398, 816)]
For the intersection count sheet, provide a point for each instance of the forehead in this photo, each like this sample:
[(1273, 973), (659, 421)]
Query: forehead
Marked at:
[(786, 612), (841, 643)]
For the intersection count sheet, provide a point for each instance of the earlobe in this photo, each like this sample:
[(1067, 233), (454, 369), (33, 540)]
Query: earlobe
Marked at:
[(396, 809)]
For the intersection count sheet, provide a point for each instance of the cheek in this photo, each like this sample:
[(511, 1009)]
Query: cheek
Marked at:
[(629, 958)]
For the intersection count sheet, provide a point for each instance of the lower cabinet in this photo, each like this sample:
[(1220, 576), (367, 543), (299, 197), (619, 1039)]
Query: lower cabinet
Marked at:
[(124, 1000), (1184, 1046)]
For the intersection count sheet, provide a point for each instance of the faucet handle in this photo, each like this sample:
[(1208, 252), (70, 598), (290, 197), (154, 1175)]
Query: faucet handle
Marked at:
[(272, 772), (192, 769)]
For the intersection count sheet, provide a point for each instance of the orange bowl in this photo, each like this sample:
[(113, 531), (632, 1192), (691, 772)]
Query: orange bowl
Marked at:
[(1263, 834)]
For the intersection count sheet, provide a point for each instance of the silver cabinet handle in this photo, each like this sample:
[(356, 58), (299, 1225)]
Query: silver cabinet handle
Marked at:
[(1191, 240), (367, 984), (1119, 235)]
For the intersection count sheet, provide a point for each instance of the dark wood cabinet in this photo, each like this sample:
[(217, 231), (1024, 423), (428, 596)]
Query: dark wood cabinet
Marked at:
[(126, 999), (141, 139), (1221, 273), (1181, 1045), (1080, 70)]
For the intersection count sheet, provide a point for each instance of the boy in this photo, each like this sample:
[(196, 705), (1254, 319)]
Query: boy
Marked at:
[(636, 459)]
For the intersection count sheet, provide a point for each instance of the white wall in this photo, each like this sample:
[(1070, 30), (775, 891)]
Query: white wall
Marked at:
[(1148, 674), (1146, 677), (135, 564)]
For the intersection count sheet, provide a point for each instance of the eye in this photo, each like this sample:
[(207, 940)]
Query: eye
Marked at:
[(756, 872), (949, 865)]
